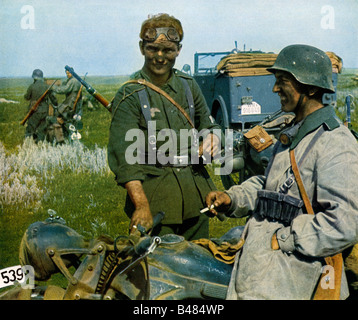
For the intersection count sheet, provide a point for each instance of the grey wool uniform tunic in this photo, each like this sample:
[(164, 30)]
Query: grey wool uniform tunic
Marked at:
[(70, 89), (330, 176)]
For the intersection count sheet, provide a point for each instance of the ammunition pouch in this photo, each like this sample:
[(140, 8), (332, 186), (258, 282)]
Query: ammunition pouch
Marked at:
[(258, 138), (276, 206)]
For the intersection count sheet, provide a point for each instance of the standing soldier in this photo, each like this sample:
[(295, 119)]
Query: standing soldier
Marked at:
[(36, 125), (304, 212), (71, 106), (177, 187), (73, 100)]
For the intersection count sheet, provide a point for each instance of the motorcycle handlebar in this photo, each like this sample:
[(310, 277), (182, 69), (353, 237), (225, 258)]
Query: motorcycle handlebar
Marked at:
[(158, 218), (156, 221)]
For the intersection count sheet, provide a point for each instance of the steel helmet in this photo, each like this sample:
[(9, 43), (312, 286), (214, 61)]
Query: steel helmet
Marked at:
[(309, 65), (37, 74), (44, 236)]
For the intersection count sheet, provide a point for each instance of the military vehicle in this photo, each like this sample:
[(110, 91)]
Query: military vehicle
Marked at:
[(238, 90)]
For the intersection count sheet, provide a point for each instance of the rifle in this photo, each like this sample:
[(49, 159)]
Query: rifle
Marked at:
[(90, 90), (78, 96), (35, 106)]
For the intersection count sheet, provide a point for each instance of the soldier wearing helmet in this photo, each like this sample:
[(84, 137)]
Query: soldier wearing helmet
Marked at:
[(36, 125), (309, 72), (175, 187), (289, 236), (72, 104)]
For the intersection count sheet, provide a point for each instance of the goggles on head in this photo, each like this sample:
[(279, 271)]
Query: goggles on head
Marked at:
[(152, 34)]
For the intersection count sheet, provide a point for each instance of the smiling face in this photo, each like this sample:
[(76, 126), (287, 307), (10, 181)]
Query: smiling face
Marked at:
[(159, 58), (287, 87)]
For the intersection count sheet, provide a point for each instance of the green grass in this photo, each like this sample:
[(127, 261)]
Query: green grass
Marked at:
[(89, 201)]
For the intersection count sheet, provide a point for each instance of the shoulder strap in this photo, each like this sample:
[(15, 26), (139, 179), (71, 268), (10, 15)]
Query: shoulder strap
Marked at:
[(145, 106), (275, 148), (164, 94), (144, 103), (189, 98)]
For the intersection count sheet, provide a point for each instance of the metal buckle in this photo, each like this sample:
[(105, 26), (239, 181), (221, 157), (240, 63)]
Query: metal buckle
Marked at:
[(180, 161), (287, 184)]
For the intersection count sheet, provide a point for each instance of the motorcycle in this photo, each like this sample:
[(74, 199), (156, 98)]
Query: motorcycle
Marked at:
[(133, 267)]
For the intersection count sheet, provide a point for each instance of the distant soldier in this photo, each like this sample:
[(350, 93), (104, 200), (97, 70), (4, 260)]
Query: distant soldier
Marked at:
[(63, 119), (36, 125), (73, 101)]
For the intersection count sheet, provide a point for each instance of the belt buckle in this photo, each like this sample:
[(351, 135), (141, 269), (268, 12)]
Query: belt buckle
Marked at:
[(180, 161)]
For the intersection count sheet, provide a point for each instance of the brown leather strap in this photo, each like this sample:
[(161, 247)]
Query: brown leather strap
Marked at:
[(335, 261), (164, 94), (77, 98)]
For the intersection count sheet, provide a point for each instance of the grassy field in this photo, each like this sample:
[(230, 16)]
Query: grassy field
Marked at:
[(74, 179)]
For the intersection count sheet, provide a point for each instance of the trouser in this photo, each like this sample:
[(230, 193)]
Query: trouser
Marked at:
[(191, 229), (36, 126)]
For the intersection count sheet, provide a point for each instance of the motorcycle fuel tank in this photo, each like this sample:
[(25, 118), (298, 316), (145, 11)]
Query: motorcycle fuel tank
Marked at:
[(181, 269)]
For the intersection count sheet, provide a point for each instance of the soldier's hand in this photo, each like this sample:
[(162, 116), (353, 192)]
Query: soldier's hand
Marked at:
[(143, 217), (220, 200), (211, 145)]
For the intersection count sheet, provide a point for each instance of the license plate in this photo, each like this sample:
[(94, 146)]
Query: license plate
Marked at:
[(18, 274), (252, 108)]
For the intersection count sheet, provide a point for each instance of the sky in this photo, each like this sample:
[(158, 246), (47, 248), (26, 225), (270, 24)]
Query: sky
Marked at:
[(100, 37)]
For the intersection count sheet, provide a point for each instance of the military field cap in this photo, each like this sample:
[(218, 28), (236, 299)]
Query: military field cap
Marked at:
[(159, 24), (309, 65), (37, 74)]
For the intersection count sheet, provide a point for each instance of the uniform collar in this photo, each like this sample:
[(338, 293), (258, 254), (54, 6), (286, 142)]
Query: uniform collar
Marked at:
[(171, 83), (325, 116)]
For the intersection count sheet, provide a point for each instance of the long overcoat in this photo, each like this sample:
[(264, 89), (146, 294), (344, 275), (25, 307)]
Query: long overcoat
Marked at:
[(330, 174)]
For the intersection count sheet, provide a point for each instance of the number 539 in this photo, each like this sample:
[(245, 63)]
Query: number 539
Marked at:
[(17, 274)]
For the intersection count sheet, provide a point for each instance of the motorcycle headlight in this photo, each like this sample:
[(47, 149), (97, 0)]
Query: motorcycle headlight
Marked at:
[(44, 235)]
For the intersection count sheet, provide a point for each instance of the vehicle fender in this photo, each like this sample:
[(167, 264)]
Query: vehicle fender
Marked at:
[(219, 104)]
